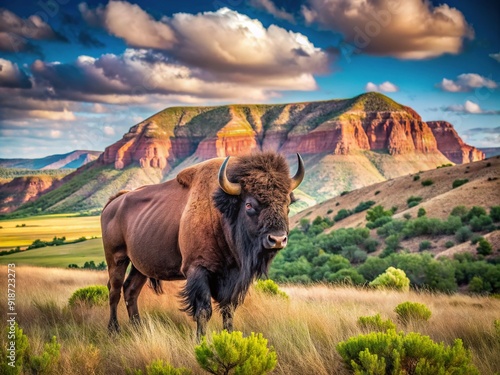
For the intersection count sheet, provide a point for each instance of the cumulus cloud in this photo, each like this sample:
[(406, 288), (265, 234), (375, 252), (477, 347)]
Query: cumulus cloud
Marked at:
[(271, 8), (109, 131), (131, 23), (383, 87), (15, 32), (413, 29), (466, 82), (11, 76), (225, 44), (495, 56), (470, 107)]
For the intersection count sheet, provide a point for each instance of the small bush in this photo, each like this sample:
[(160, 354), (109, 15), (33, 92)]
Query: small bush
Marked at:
[(413, 201), (458, 183), (407, 216), (363, 206), (159, 367), (495, 214), (412, 311), (269, 287), (329, 211), (233, 353), (21, 345), (375, 323), (449, 244), (380, 353), (392, 278), (427, 182), (460, 211), (480, 223), (371, 244), (90, 295), (484, 247), (421, 212), (475, 211), (377, 213), (46, 363), (342, 214), (345, 192), (424, 245), (377, 192), (416, 177), (463, 234)]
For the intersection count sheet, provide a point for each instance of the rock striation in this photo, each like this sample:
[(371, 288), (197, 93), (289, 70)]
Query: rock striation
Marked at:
[(371, 122), (451, 145)]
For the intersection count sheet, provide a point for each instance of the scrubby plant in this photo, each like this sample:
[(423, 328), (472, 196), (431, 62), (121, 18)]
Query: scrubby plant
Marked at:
[(371, 244), (377, 212), (463, 234), (269, 287), (458, 183), (407, 216), (413, 201), (363, 206), (12, 364), (484, 247), (231, 353), (342, 214), (449, 244), (412, 311), (391, 352), (375, 323), (427, 182), (90, 296), (495, 214), (475, 211), (424, 245), (346, 276), (475, 239), (392, 278), (421, 212), (480, 223), (159, 367), (46, 363), (416, 177), (460, 211)]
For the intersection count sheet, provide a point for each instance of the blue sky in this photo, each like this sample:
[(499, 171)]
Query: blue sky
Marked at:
[(78, 75)]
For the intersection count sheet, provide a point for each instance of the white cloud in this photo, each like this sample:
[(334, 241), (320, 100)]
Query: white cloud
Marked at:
[(495, 56), (55, 134), (413, 29), (109, 131), (271, 8), (470, 107), (466, 82), (63, 115), (11, 76), (383, 87)]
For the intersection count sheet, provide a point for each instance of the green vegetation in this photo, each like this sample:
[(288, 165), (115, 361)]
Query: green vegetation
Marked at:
[(424, 245), (90, 296), (427, 182), (412, 312), (269, 287), (458, 183), (484, 247), (10, 173), (413, 201), (375, 323), (416, 177), (159, 367), (444, 165), (421, 212), (381, 353), (392, 278), (90, 265), (231, 353)]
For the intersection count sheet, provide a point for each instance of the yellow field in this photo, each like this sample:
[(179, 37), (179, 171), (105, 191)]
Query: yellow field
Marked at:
[(46, 228), (304, 330)]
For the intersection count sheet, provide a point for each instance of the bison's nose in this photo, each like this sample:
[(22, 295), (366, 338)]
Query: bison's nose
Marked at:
[(276, 241)]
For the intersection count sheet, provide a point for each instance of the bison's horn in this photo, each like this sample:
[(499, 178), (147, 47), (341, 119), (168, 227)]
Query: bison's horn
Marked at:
[(229, 187), (299, 176)]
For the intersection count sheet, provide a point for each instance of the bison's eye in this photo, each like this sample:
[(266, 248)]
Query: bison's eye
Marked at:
[(248, 206)]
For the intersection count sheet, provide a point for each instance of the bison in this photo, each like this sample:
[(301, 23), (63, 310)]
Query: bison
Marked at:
[(218, 225)]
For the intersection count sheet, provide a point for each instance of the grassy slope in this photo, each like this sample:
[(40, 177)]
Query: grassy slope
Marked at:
[(304, 330)]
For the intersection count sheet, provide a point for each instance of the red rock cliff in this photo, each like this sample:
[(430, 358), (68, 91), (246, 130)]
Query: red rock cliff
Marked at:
[(451, 145)]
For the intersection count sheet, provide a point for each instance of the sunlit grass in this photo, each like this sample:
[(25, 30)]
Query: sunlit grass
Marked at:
[(304, 329)]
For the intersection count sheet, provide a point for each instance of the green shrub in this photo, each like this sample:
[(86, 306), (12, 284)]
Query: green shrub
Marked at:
[(392, 278), (371, 245), (375, 323), (380, 353), (427, 182), (458, 183), (449, 244), (233, 353), (495, 214), (363, 206), (416, 177), (346, 276), (269, 287), (46, 363), (407, 216), (412, 311), (475, 239), (480, 223), (342, 214), (376, 213), (90, 295), (413, 201), (484, 247), (463, 234), (421, 212), (329, 211), (424, 245), (159, 367), (377, 192), (460, 211), (13, 333), (393, 241), (477, 285)]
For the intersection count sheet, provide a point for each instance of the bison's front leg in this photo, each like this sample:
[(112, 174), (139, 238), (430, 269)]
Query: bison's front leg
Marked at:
[(227, 313), (197, 299)]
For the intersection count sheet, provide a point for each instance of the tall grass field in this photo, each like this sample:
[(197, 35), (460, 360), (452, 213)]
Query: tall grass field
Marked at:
[(304, 329)]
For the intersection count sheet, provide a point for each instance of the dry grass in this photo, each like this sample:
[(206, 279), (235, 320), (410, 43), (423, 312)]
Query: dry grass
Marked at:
[(304, 330)]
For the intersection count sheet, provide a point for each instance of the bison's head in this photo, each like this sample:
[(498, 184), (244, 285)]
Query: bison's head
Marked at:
[(257, 191)]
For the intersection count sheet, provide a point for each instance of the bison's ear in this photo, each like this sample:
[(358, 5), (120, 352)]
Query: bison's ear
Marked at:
[(186, 176)]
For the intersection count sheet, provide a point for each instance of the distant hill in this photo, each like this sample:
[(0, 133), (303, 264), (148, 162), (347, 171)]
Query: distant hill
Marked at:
[(490, 151), (71, 160), (346, 144), (438, 200)]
